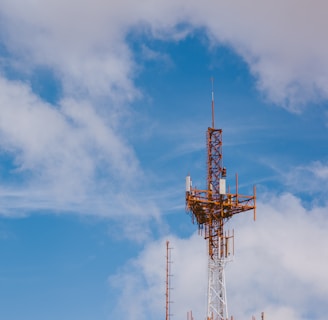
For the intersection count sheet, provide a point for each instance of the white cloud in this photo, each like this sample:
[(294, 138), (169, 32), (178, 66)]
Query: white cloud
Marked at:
[(278, 255), (66, 157), (320, 170), (279, 268), (149, 54), (141, 283), (309, 179), (83, 44), (282, 41)]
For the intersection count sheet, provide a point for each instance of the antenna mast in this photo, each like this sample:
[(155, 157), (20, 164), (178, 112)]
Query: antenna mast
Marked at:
[(212, 80), (211, 209), (168, 282)]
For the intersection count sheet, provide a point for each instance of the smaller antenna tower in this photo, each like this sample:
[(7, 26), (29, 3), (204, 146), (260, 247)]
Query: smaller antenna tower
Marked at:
[(168, 281)]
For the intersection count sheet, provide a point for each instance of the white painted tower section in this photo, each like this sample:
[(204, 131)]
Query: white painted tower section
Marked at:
[(217, 308)]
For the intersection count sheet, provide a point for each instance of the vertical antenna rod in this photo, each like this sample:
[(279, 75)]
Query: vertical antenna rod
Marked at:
[(168, 275), (212, 80)]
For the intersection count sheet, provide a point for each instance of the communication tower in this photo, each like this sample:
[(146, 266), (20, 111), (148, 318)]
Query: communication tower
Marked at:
[(211, 208)]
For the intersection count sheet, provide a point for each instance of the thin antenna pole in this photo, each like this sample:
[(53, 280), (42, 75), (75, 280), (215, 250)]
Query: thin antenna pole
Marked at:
[(167, 294), (168, 283), (212, 80)]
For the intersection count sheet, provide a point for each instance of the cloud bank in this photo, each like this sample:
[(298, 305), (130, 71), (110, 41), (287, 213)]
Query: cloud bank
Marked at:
[(282, 41), (279, 268)]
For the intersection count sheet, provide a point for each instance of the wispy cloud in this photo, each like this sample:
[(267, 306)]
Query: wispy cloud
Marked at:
[(65, 157), (311, 178)]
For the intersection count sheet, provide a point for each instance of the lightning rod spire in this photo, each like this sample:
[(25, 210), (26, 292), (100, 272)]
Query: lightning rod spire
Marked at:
[(212, 80)]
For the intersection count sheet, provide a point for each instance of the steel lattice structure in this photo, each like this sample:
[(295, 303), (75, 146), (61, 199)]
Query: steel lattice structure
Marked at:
[(211, 209)]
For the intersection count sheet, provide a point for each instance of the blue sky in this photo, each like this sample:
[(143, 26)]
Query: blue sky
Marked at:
[(103, 112)]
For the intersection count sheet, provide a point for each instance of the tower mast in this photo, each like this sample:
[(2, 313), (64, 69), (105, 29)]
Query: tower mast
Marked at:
[(211, 209)]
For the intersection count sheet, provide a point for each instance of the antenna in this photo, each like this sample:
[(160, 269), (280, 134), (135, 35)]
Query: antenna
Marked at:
[(168, 282), (212, 80)]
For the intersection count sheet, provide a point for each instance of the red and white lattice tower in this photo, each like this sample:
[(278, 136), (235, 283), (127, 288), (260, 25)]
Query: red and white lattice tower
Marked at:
[(211, 208)]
